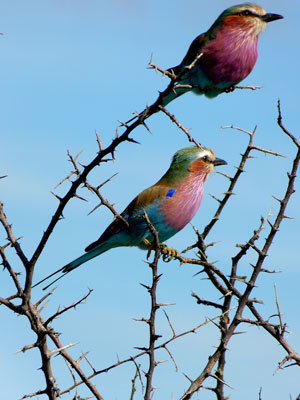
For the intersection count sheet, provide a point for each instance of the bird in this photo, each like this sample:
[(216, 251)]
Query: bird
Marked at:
[(220, 58), (169, 204)]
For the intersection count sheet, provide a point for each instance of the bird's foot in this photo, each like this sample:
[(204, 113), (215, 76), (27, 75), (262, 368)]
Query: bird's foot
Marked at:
[(167, 253), (230, 89)]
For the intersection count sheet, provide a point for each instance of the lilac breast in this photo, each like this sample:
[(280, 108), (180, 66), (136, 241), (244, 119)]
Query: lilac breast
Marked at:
[(230, 57), (179, 209)]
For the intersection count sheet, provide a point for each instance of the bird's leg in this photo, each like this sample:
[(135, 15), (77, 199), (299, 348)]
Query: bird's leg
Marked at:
[(150, 247)]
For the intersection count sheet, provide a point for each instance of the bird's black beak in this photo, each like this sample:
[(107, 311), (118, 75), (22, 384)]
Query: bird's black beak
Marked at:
[(219, 161), (271, 17)]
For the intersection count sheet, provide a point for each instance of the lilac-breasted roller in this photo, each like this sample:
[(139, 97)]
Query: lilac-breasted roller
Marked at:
[(170, 204), (220, 58)]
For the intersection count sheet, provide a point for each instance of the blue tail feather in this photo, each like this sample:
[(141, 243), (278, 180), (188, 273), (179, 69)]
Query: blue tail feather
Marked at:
[(173, 94), (76, 263), (84, 258)]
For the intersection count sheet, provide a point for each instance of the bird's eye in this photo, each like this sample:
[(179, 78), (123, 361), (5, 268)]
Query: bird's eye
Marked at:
[(246, 13), (205, 158)]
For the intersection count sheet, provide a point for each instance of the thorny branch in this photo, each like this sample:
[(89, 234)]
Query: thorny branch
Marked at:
[(153, 336), (145, 351), (233, 180), (184, 130), (227, 329)]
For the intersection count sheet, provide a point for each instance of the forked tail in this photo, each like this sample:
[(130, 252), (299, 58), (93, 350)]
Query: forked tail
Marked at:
[(74, 264)]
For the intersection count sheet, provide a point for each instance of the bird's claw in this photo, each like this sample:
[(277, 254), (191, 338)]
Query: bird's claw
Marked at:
[(230, 89), (167, 253)]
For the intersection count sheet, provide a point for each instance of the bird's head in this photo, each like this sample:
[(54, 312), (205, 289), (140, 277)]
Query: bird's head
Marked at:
[(249, 17), (195, 160)]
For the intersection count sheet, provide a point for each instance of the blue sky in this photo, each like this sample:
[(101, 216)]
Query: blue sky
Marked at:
[(69, 68)]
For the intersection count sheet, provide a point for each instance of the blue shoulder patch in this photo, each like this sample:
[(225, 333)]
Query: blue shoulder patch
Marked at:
[(170, 192)]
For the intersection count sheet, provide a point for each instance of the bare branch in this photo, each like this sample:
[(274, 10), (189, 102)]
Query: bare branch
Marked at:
[(74, 305), (251, 87), (180, 126), (13, 241), (282, 326)]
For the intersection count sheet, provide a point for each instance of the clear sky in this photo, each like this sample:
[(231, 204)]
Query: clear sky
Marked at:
[(69, 68)]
